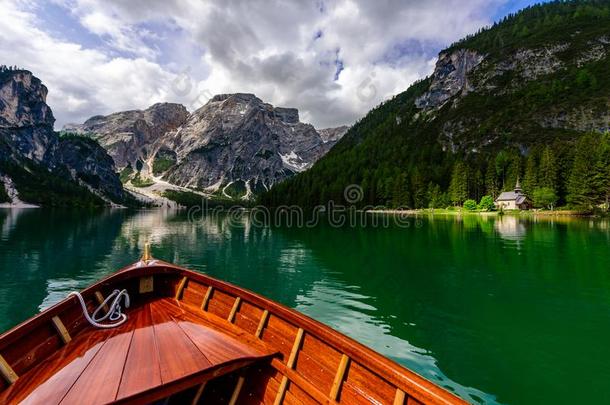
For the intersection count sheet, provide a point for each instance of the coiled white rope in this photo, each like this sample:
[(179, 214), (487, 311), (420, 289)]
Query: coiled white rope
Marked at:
[(114, 314)]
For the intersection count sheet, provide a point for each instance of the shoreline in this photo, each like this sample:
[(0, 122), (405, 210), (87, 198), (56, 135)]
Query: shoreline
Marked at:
[(456, 212), (20, 205)]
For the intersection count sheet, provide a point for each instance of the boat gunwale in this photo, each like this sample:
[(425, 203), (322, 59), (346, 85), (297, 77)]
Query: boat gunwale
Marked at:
[(413, 384)]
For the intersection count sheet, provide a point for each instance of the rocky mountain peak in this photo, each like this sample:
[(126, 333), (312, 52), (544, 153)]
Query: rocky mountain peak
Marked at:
[(235, 144), (239, 141), (23, 100), (135, 135), (238, 97), (29, 145), (25, 114)]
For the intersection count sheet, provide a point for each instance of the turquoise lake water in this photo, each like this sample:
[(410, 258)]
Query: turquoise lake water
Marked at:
[(498, 310)]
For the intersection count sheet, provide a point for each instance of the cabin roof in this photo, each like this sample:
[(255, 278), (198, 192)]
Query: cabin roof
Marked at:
[(509, 196), (517, 196)]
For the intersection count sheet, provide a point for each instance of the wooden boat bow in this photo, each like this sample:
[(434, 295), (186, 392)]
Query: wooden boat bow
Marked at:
[(191, 338)]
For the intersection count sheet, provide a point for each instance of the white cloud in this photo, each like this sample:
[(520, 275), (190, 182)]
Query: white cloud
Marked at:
[(82, 82), (285, 52)]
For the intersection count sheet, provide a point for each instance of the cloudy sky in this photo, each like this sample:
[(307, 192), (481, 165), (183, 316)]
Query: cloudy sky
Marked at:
[(333, 60)]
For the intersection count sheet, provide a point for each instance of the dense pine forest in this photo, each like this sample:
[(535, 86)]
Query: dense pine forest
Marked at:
[(537, 111)]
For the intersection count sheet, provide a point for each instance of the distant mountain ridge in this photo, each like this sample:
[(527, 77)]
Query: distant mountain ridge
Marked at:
[(235, 145), (36, 164), (527, 98)]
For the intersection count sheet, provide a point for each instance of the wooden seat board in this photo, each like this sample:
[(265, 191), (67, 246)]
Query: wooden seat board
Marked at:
[(218, 346), (187, 312), (178, 355)]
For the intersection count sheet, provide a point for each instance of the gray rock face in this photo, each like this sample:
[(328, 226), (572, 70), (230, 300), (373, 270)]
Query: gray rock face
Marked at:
[(26, 135), (524, 65), (450, 77), (580, 119), (234, 139), (332, 134), (25, 117), (287, 115), (90, 165), (463, 71), (237, 138), (23, 100), (130, 136)]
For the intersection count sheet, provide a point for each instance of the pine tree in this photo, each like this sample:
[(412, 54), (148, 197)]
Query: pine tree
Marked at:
[(601, 176), (401, 197), (581, 183), (491, 180), (476, 184), (501, 164), (418, 190), (530, 178), (547, 173), (458, 189), (435, 196), (513, 172)]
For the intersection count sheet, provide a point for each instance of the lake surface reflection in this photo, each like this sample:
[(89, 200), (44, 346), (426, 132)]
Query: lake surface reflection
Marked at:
[(499, 310)]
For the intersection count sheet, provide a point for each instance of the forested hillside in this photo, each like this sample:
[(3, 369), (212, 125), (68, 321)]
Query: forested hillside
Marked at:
[(528, 99)]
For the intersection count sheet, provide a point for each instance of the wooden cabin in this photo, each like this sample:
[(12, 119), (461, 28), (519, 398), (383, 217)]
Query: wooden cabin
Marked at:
[(513, 200)]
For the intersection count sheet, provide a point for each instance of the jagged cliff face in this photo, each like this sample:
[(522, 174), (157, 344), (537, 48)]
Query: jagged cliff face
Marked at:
[(450, 77), (134, 135), (463, 75), (28, 144), (25, 119), (237, 139), (235, 144), (332, 134)]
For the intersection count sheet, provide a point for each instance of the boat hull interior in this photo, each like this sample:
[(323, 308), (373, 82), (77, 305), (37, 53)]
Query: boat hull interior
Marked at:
[(190, 338)]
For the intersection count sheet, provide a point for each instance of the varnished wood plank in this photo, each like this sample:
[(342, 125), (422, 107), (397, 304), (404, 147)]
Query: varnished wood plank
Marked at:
[(295, 348), (237, 390), (142, 370), (281, 391), (100, 380), (261, 323), (228, 332), (234, 310), (336, 387), (295, 378), (206, 298), (399, 399), (217, 347), (198, 394), (100, 299), (178, 355), (7, 371), (360, 381), (289, 364), (50, 381), (61, 329), (180, 288), (313, 371)]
